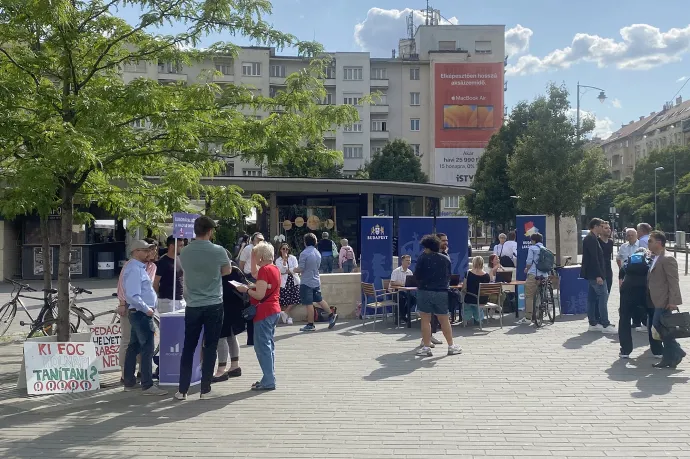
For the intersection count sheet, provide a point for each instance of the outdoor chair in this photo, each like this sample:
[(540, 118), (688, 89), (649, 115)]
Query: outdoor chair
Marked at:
[(377, 299), (490, 291)]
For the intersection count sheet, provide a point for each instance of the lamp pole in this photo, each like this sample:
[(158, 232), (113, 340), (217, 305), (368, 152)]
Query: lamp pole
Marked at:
[(601, 97), (655, 213)]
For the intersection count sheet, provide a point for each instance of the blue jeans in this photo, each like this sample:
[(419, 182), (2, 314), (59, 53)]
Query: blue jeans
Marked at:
[(140, 342), (348, 266), (597, 299), (326, 264), (672, 350), (265, 348)]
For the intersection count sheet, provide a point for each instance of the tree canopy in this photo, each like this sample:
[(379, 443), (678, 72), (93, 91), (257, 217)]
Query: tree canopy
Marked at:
[(395, 162), (310, 161), (73, 130)]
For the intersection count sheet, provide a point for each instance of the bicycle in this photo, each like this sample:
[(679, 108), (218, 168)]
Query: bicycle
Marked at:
[(8, 311), (48, 326), (544, 301)]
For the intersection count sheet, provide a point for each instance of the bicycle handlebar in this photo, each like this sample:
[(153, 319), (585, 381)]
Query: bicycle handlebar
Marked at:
[(20, 285), (79, 290)]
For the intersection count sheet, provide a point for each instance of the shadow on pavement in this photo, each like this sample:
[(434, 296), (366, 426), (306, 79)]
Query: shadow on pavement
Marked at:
[(405, 363), (650, 381)]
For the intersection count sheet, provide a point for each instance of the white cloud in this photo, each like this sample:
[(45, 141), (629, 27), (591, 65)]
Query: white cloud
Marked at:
[(603, 127), (681, 79), (517, 40), (380, 31), (616, 103), (642, 47)]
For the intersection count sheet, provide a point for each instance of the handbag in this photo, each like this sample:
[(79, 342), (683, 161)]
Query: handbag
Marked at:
[(249, 312), (505, 260), (675, 325)]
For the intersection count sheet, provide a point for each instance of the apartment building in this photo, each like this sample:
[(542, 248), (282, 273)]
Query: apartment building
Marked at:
[(441, 90), (636, 140)]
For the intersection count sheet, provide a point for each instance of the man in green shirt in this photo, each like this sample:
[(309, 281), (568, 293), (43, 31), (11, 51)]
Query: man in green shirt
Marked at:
[(203, 264)]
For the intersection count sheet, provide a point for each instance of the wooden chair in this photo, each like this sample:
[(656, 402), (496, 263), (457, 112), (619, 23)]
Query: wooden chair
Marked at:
[(377, 299), (488, 290)]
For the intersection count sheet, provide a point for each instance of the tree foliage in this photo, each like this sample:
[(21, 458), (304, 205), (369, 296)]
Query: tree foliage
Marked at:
[(71, 127), (395, 162), (311, 161), (550, 170)]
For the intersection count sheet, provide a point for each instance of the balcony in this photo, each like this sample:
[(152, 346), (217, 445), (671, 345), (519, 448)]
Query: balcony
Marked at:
[(223, 78), (378, 108), (379, 83), (329, 82), (380, 135), (277, 81), (329, 135)]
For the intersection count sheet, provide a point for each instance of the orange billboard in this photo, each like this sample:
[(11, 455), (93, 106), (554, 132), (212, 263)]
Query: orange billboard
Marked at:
[(469, 104)]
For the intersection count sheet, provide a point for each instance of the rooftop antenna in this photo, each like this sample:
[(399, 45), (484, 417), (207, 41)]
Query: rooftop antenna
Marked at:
[(410, 25), (426, 13)]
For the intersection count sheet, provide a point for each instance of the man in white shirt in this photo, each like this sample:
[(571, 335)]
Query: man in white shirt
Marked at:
[(629, 247), (246, 256), (399, 275)]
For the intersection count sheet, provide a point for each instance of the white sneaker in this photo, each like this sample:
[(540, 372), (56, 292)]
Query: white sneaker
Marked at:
[(435, 340), (454, 349), (421, 344), (180, 396), (624, 356), (610, 330), (283, 317), (207, 396), (289, 320), (523, 321), (596, 328), (154, 390), (425, 352), (641, 329)]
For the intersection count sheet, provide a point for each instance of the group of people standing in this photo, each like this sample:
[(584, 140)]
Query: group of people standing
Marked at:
[(649, 288)]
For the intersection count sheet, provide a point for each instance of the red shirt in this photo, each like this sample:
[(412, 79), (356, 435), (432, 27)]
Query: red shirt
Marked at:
[(271, 303)]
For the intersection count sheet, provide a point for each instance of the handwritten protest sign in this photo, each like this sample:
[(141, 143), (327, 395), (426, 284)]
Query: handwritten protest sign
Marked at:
[(59, 368), (106, 340)]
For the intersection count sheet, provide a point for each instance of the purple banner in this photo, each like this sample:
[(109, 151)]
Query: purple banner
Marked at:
[(183, 225), (171, 345)]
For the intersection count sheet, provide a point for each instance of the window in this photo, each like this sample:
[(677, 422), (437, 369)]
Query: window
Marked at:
[(328, 100), (352, 73), (414, 98), (353, 151), (446, 45), (482, 47), (278, 71), (138, 124), (330, 72), (251, 69), (379, 125), (272, 91), (229, 170), (451, 202), (414, 124), (351, 100), (381, 99), (169, 67), (414, 73), (377, 149), (225, 66), (136, 67), (379, 74), (415, 147), (251, 172), (349, 174), (355, 127)]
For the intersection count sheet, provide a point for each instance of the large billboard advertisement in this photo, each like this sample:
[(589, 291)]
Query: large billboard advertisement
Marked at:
[(468, 111)]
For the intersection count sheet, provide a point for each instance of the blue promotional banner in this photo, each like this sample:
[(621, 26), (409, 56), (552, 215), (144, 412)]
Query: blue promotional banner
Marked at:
[(573, 291), (171, 345), (411, 230), (457, 230), (526, 226), (377, 252), (183, 225)]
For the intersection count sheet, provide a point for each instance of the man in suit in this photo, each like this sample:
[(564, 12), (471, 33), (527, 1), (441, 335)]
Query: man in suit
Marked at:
[(663, 293), (594, 270)]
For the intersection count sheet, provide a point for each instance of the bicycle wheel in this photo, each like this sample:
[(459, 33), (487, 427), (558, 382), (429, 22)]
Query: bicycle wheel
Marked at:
[(156, 334), (538, 309), (551, 307), (47, 328), (7, 313)]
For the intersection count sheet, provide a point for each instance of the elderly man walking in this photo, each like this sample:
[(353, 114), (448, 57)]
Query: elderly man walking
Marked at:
[(624, 252)]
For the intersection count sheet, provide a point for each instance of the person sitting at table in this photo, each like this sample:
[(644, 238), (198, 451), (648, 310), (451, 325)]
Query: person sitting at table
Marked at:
[(471, 302), (494, 266), (398, 278)]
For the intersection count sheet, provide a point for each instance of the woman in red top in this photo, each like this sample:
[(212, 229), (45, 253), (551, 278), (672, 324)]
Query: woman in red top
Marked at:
[(265, 295)]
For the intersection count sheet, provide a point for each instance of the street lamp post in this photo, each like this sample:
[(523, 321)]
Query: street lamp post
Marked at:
[(655, 214), (601, 97)]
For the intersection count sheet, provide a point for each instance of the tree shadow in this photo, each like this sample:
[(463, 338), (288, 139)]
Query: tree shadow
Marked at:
[(401, 364)]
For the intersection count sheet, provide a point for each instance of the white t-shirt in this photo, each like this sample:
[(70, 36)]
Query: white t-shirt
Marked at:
[(398, 275), (292, 263), (246, 257)]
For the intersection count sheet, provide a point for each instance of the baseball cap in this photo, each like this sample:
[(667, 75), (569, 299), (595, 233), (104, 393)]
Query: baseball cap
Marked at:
[(139, 245)]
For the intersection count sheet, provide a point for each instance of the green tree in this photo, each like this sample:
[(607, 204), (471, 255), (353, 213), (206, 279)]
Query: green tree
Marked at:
[(396, 162), (70, 125), (492, 198), (551, 171), (312, 161)]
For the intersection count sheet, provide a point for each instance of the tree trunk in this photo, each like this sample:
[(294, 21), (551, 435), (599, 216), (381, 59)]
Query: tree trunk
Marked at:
[(47, 265), (66, 221), (557, 228)]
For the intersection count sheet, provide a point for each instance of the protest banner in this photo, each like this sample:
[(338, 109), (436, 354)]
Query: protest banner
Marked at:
[(106, 340), (60, 368)]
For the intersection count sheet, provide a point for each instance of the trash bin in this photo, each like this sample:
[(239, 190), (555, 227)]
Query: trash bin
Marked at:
[(573, 290), (106, 265)]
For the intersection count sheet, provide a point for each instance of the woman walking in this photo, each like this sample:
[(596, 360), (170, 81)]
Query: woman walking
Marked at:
[(289, 282), (346, 256)]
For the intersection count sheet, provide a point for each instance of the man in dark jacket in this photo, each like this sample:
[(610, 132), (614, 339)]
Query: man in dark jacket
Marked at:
[(594, 270)]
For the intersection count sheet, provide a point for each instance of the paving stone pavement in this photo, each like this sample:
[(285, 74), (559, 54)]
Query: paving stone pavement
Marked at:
[(357, 393)]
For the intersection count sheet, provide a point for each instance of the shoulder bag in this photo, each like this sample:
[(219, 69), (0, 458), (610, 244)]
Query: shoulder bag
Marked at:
[(249, 312)]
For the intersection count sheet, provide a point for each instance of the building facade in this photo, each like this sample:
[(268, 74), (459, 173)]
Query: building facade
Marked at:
[(442, 91)]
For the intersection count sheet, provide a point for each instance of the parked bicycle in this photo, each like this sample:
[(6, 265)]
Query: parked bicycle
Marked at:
[(544, 302), (8, 311), (48, 326)]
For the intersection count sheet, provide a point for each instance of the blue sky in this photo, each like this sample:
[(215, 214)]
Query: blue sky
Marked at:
[(638, 53)]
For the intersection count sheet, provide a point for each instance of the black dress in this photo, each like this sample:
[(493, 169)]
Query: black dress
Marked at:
[(233, 304)]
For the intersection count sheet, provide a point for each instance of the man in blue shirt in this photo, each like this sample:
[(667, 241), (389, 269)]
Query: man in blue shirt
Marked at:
[(310, 283), (141, 301), (532, 274)]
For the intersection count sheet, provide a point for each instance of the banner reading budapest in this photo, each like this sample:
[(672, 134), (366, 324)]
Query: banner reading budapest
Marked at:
[(469, 110)]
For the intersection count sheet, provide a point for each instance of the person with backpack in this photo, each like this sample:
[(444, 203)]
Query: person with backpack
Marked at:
[(346, 257), (540, 262)]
